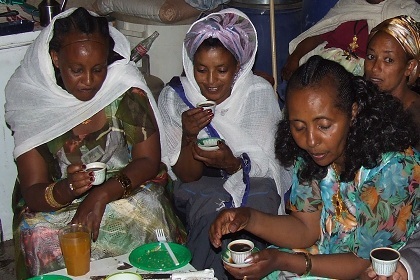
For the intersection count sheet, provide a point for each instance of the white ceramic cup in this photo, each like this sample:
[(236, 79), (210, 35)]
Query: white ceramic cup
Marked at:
[(124, 276), (384, 260), (99, 171), (240, 249), (208, 105)]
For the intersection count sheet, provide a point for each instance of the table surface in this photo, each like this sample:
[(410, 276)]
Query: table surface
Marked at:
[(109, 266)]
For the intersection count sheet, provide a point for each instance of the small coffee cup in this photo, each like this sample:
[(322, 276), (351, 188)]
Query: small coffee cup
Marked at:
[(207, 105), (99, 171), (384, 260), (240, 249)]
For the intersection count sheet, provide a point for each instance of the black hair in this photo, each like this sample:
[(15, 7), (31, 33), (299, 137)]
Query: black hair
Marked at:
[(212, 43), (81, 21), (380, 125)]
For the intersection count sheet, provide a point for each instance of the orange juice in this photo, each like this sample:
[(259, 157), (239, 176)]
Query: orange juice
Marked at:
[(75, 247)]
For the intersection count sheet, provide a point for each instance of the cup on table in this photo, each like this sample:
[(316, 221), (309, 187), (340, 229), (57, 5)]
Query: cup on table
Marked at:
[(207, 105), (75, 247), (124, 276), (240, 249), (99, 171), (384, 260)]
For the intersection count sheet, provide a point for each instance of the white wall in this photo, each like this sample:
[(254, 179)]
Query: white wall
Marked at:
[(12, 50)]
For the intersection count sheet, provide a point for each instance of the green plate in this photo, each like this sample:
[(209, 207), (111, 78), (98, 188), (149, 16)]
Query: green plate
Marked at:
[(50, 277), (154, 257)]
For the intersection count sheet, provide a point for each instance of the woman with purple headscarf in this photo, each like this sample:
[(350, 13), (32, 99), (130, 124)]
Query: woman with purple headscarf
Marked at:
[(218, 54)]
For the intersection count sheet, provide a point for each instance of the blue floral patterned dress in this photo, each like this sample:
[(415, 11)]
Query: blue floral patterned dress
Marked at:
[(382, 207)]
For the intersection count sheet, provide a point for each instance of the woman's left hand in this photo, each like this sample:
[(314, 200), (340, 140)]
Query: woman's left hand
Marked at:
[(262, 263), (91, 210), (222, 158)]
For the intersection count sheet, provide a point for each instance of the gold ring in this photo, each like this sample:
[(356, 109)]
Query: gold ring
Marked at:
[(71, 186), (245, 278)]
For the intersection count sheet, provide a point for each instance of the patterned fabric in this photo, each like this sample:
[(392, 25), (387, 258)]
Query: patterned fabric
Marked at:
[(234, 31), (383, 200), (126, 223)]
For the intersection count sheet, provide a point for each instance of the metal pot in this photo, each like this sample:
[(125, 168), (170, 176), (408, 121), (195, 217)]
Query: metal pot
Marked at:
[(49, 9)]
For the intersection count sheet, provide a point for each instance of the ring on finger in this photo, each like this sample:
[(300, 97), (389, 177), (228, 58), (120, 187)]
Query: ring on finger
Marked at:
[(245, 278), (71, 186)]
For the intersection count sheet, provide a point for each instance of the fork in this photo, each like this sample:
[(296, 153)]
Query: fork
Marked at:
[(162, 238)]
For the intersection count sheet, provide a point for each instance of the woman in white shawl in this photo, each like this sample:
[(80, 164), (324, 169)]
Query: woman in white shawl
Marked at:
[(218, 54), (76, 99), (342, 34)]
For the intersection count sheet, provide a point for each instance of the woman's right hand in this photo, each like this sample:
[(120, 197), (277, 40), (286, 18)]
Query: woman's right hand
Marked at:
[(194, 120), (78, 179), (228, 221), (399, 274)]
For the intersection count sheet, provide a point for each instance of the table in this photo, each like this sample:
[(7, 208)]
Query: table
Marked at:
[(109, 266)]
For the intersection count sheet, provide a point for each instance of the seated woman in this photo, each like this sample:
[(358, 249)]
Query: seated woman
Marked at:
[(218, 55), (393, 62), (355, 181), (75, 99)]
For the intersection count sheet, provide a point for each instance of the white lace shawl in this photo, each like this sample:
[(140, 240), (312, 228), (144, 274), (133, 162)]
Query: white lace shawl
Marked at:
[(38, 110), (247, 121), (351, 10)]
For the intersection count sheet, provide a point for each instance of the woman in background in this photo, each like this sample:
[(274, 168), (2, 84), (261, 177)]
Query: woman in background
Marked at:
[(81, 101)]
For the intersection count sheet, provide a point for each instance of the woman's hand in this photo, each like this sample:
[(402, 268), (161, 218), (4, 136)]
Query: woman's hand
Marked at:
[(399, 274), (78, 179), (194, 120), (228, 221), (222, 158), (262, 263), (91, 210)]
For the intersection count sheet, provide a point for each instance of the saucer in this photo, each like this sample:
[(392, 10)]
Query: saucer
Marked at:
[(208, 144), (226, 258)]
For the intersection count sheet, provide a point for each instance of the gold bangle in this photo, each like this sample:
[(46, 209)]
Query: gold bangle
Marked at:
[(49, 197), (308, 262), (125, 183)]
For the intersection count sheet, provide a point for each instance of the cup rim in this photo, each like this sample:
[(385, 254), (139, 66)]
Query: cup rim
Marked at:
[(96, 164), (61, 230), (246, 241), (386, 248), (213, 103)]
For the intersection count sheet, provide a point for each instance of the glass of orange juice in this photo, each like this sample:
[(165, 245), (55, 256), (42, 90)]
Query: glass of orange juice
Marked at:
[(75, 247)]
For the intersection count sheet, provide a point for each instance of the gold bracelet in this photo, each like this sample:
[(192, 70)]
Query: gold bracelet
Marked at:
[(125, 183), (308, 262), (49, 197)]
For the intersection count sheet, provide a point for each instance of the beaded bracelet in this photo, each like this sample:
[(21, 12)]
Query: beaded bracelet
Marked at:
[(49, 197), (308, 262), (125, 183)]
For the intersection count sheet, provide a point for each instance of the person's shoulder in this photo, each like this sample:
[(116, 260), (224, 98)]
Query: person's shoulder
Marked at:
[(409, 155)]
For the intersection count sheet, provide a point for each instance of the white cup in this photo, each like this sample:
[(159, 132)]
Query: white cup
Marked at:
[(384, 260), (208, 105), (99, 171), (124, 276), (240, 249)]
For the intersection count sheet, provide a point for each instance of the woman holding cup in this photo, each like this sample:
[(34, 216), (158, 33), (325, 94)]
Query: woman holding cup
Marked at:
[(83, 101), (355, 180), (240, 169)]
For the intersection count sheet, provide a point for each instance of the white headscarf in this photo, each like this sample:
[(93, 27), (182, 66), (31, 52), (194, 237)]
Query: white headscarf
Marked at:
[(247, 120), (38, 110)]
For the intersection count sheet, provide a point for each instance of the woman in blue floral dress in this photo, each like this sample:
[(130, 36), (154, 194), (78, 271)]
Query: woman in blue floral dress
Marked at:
[(355, 186)]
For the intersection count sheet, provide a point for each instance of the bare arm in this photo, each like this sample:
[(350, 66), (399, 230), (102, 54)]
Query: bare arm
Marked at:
[(292, 62)]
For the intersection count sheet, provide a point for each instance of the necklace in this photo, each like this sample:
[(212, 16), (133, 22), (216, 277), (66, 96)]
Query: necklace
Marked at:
[(337, 200), (87, 121), (351, 50)]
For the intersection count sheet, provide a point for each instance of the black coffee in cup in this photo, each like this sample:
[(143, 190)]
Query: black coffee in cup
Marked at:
[(240, 247), (384, 254)]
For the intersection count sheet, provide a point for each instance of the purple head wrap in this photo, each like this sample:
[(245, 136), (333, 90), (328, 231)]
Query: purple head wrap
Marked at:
[(236, 33)]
